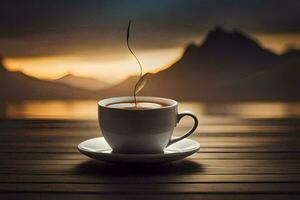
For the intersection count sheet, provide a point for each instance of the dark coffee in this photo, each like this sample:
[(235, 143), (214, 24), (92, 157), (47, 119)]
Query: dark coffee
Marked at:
[(141, 105)]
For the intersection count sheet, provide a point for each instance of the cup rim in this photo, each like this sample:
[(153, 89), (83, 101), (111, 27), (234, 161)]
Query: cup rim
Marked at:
[(171, 103)]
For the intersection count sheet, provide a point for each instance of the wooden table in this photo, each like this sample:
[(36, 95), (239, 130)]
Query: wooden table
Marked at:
[(244, 159)]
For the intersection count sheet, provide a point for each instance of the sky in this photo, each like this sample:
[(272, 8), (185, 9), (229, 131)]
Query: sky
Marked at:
[(48, 39)]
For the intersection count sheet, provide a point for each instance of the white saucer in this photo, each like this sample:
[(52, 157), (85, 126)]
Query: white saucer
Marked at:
[(98, 149)]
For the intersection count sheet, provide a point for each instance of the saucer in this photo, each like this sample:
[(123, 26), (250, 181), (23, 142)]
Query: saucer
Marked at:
[(98, 149)]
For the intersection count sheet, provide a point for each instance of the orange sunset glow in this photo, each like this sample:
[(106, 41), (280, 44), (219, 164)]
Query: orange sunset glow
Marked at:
[(56, 66), (123, 65)]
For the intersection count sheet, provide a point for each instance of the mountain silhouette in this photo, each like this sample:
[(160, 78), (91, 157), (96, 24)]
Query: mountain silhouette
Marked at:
[(291, 54), (18, 86), (228, 65), (82, 82)]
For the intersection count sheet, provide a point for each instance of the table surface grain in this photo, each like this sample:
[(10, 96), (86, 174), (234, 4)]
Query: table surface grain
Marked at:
[(246, 159)]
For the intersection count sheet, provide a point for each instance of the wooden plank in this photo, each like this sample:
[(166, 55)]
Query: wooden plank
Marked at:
[(227, 139), (225, 144), (154, 178), (252, 147), (200, 155), (249, 160), (285, 149), (178, 168), (154, 188), (118, 196), (42, 156), (206, 163), (291, 146), (209, 137)]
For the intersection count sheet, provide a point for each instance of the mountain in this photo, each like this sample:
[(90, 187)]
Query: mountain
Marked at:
[(18, 86), (291, 54), (82, 82), (228, 65)]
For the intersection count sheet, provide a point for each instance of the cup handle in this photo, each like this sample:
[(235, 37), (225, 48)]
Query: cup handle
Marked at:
[(179, 117)]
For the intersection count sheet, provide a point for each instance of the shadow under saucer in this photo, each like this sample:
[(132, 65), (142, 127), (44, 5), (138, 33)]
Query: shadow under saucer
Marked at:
[(99, 168)]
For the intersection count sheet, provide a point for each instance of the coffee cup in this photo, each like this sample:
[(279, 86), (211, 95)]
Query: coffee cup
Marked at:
[(141, 130)]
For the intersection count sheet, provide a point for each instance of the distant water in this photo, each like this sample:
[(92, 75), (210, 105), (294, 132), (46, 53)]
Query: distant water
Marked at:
[(87, 110)]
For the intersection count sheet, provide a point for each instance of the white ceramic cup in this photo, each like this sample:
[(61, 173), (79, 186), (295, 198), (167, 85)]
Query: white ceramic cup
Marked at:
[(141, 131)]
